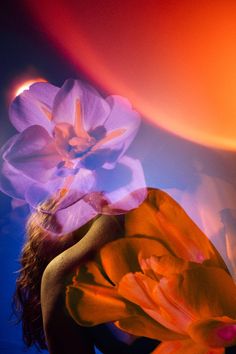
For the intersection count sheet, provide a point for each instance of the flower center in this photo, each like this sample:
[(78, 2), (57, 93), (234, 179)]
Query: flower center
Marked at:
[(72, 147)]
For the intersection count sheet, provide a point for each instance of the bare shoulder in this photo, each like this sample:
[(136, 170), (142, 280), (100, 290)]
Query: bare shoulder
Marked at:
[(59, 272)]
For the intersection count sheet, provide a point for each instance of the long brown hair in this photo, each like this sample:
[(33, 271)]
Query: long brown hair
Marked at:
[(39, 249)]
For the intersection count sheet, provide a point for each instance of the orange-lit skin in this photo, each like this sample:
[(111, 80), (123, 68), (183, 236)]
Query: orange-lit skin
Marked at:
[(174, 60)]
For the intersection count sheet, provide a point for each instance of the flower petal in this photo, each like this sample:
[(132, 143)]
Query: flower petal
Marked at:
[(92, 300), (60, 205), (123, 188), (166, 220), (34, 154), (201, 291), (33, 106), (125, 253), (12, 182), (39, 193), (228, 219), (144, 326), (185, 347), (144, 292), (62, 133), (90, 274), (135, 288), (63, 192), (66, 220), (76, 187), (123, 121), (215, 332), (90, 306), (163, 266), (79, 105)]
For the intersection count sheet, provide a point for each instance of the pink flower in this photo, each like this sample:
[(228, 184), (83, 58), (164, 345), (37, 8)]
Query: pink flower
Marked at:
[(70, 149)]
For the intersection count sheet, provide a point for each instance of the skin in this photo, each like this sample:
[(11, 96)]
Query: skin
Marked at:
[(62, 333)]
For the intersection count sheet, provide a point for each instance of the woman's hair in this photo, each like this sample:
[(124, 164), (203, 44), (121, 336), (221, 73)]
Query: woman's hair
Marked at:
[(39, 249)]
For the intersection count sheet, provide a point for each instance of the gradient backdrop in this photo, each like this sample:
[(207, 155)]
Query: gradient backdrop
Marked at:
[(175, 61)]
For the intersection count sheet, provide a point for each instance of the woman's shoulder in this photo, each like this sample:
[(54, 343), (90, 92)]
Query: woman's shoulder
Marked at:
[(104, 229), (60, 271)]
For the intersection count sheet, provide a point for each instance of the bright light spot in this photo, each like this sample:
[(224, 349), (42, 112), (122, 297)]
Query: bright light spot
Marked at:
[(25, 85)]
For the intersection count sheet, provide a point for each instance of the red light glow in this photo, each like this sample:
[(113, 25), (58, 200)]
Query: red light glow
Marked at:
[(174, 60)]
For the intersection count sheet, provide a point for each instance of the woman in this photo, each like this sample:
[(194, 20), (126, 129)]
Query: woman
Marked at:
[(48, 265), (70, 148), (147, 275)]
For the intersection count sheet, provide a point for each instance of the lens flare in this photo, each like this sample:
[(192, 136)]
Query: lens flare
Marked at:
[(25, 85)]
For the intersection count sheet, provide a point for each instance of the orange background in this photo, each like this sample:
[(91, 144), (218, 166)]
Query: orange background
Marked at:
[(175, 60)]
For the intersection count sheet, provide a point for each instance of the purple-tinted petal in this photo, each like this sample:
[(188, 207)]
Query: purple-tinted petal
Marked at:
[(8, 144), (120, 189), (69, 219), (79, 105), (62, 191), (62, 134), (74, 188), (33, 106), (38, 193), (34, 154), (12, 182), (123, 121), (78, 186)]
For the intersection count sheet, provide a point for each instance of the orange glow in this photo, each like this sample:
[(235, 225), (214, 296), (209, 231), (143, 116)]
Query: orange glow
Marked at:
[(174, 60), (25, 85)]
